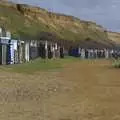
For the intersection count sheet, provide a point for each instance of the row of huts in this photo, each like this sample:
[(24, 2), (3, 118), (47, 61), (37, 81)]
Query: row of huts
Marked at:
[(20, 51)]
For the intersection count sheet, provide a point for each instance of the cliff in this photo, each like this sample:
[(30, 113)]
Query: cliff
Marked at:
[(28, 22), (114, 36)]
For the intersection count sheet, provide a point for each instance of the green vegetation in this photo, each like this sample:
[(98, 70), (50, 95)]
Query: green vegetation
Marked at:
[(39, 65), (33, 21), (116, 63)]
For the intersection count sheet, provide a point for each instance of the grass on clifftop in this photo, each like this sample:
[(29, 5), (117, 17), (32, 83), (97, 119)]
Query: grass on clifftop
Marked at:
[(29, 26)]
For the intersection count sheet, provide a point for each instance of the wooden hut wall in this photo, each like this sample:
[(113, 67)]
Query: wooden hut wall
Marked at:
[(49, 50), (8, 54), (16, 56), (4, 54), (42, 52), (14, 51), (45, 49), (33, 52), (1, 54), (34, 49), (27, 51), (50, 54), (21, 52), (4, 43)]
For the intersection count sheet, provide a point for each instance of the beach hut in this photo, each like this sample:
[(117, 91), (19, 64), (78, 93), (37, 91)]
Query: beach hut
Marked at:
[(21, 51), (34, 49), (42, 49), (4, 50), (13, 51), (27, 51)]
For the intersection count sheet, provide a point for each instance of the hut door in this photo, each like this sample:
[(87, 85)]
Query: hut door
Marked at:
[(4, 54), (27, 52), (8, 55), (0, 54)]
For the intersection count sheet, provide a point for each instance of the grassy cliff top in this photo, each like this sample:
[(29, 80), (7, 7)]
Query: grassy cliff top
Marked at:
[(30, 22)]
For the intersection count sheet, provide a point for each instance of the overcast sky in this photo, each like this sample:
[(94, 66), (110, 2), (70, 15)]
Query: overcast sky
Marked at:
[(104, 12)]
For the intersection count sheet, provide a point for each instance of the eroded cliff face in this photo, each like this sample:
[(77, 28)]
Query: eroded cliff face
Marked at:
[(52, 19), (25, 20), (114, 36)]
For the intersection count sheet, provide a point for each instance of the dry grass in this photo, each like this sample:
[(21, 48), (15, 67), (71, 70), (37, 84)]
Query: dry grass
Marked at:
[(83, 90), (39, 20)]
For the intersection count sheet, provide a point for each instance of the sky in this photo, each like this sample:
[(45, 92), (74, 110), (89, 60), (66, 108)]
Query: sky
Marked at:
[(103, 12)]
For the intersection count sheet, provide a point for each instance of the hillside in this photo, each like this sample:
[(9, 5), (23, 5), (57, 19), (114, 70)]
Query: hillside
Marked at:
[(114, 36), (28, 22)]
